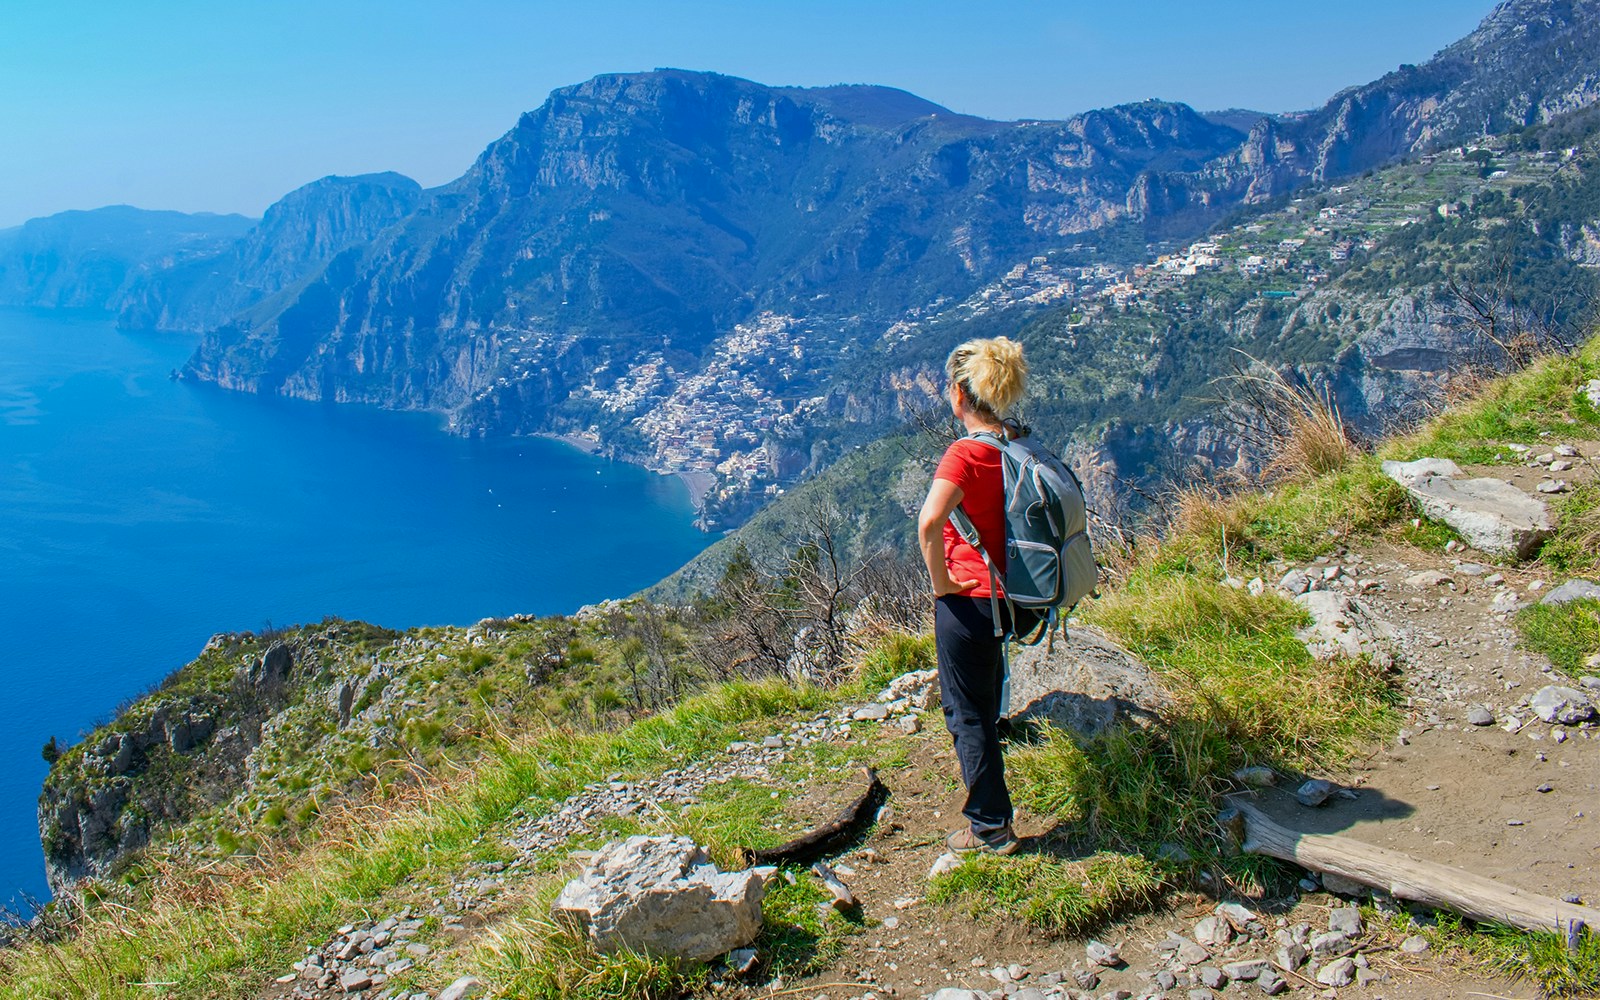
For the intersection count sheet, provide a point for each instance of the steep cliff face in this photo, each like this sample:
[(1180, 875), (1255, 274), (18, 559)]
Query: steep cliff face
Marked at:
[(1529, 61), (298, 235), (655, 211), (87, 260)]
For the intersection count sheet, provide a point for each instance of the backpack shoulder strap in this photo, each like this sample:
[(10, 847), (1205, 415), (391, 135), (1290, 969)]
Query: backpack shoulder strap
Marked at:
[(989, 438), (969, 534)]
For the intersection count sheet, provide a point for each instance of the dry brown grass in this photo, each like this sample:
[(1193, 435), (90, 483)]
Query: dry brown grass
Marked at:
[(1586, 527), (1207, 513), (1304, 433)]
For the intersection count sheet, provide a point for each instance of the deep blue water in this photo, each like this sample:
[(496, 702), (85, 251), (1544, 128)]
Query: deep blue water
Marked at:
[(140, 515)]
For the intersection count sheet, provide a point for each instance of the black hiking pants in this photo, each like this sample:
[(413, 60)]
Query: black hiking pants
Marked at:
[(971, 672)]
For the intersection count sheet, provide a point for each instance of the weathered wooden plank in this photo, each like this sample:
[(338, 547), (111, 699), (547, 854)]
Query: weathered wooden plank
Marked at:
[(1405, 877), (829, 836)]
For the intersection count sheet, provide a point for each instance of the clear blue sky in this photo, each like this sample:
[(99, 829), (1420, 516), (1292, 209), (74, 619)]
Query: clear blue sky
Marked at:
[(207, 106)]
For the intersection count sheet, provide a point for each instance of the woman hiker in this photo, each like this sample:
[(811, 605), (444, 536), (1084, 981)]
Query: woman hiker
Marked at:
[(986, 378)]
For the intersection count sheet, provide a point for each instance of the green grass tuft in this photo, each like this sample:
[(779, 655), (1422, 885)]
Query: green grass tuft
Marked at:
[(894, 654), (1574, 549), (1567, 633), (538, 960), (1056, 896), (737, 814), (1541, 957), (1296, 521), (799, 936), (1245, 692), (1544, 398)]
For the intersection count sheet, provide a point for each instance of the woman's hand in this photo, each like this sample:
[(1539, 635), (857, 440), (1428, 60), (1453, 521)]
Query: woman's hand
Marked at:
[(949, 586)]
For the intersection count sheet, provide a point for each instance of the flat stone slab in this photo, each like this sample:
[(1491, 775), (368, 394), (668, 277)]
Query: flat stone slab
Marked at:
[(1083, 683), (1573, 590), (1492, 516), (1343, 626), (1406, 473), (1563, 705)]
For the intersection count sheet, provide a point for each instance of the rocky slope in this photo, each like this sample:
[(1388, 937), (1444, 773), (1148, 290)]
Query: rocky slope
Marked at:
[(1527, 63), (296, 237), (196, 742)]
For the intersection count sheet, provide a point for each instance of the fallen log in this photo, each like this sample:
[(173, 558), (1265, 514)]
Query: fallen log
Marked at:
[(829, 836), (1405, 877)]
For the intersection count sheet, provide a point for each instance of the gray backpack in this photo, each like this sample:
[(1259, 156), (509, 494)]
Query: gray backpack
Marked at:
[(1049, 564)]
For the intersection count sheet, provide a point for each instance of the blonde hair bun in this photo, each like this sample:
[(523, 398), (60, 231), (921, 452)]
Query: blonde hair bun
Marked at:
[(992, 372)]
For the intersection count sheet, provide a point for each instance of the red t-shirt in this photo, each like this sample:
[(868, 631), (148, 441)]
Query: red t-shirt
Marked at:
[(975, 467)]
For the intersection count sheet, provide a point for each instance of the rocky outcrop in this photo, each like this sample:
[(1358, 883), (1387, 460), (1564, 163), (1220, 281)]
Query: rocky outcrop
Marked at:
[(662, 896), (102, 802), (1525, 64), (1407, 473), (1083, 683)]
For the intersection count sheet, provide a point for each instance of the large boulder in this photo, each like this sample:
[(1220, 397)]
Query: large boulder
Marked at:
[(1492, 516), (662, 896), (1083, 683), (269, 674), (919, 688)]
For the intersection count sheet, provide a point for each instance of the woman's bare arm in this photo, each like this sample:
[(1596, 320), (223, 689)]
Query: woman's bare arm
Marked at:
[(943, 496)]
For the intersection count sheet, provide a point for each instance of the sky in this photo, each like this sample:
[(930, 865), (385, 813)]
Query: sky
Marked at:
[(225, 107)]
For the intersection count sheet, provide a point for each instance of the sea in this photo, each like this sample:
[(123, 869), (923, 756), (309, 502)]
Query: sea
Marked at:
[(139, 515)]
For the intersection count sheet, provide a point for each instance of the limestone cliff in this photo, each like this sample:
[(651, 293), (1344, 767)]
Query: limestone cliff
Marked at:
[(299, 234)]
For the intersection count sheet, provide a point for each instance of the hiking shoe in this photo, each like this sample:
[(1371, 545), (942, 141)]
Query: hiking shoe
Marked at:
[(964, 841)]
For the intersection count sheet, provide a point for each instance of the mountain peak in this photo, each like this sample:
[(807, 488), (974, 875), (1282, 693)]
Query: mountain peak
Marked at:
[(870, 104), (1517, 22), (865, 104)]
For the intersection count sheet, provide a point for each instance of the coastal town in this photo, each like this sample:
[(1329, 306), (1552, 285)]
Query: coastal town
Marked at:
[(720, 426), (714, 425)]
